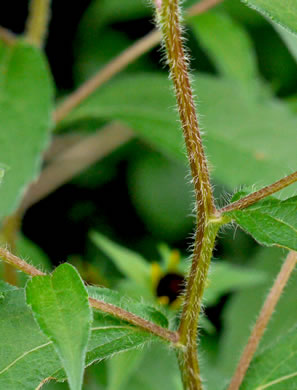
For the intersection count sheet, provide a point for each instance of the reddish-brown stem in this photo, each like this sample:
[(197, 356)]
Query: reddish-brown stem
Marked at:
[(202, 6), (135, 320), (261, 194), (119, 63), (263, 319), (118, 312), (18, 263), (7, 36), (9, 231)]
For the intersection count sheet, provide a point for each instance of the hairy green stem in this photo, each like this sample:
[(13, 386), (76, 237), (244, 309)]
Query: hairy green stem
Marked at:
[(37, 23), (208, 219), (188, 330), (171, 31)]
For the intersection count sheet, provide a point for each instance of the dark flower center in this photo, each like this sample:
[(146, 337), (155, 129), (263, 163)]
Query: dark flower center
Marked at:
[(170, 285)]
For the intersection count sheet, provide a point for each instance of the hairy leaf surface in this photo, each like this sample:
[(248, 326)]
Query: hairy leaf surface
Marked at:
[(61, 307), (282, 12), (272, 222), (24, 346)]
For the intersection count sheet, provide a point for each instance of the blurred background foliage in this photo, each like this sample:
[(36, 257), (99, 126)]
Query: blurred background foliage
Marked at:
[(140, 195)]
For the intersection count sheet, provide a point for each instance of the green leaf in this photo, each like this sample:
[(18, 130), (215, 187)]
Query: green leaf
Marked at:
[(2, 172), (272, 222), (229, 47), (289, 39), (61, 308), (26, 103), (146, 175), (282, 12), (157, 370), (6, 287), (230, 117), (225, 278), (275, 367), (28, 357), (242, 309), (122, 366), (131, 264)]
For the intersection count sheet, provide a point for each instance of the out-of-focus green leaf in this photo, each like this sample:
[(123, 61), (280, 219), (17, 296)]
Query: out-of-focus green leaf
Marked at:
[(282, 12), (242, 309), (146, 175), (28, 250), (230, 117), (107, 11), (289, 39), (158, 370), (122, 366), (26, 104), (275, 367), (229, 46), (271, 222), (131, 264), (94, 49), (225, 278), (61, 308), (2, 172), (24, 346)]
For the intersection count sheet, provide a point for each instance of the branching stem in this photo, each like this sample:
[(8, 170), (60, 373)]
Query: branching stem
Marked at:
[(118, 312), (208, 221), (263, 319)]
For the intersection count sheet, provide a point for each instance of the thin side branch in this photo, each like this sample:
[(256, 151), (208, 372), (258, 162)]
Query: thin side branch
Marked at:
[(118, 312), (119, 63), (202, 6), (263, 319), (9, 229), (113, 67), (7, 36), (74, 160), (261, 194), (135, 320), (18, 263), (38, 20)]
